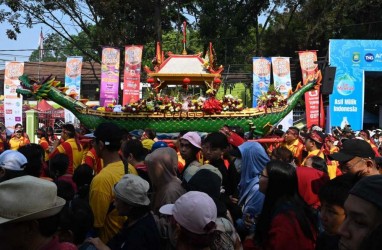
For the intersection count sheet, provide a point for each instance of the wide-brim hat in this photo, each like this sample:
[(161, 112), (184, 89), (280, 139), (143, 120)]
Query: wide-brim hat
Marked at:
[(28, 198)]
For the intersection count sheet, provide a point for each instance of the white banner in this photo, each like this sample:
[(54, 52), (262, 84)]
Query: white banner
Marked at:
[(13, 105)]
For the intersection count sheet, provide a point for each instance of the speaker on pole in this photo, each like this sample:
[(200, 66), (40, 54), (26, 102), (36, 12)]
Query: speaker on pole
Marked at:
[(328, 81)]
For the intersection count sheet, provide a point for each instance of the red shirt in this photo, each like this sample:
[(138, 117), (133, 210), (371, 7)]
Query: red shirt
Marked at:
[(284, 234), (55, 244), (310, 181)]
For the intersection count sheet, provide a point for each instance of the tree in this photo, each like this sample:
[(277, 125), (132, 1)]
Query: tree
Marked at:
[(101, 22)]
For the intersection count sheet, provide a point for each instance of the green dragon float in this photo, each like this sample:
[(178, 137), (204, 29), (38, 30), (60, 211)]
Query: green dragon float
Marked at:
[(167, 122)]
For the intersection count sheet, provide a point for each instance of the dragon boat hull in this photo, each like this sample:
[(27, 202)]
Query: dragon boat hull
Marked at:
[(258, 119)]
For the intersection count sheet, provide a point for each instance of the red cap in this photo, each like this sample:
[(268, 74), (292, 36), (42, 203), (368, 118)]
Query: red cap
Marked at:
[(235, 140)]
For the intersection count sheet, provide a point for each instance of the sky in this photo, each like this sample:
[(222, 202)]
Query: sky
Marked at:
[(20, 49)]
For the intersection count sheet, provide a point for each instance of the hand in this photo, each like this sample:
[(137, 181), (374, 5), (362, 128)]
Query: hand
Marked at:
[(249, 220), (56, 143), (233, 200), (97, 242)]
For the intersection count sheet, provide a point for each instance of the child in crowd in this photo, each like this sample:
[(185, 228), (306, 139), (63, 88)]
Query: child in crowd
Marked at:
[(332, 214)]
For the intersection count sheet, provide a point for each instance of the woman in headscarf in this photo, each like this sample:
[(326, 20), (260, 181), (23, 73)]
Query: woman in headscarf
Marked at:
[(254, 158), (162, 167)]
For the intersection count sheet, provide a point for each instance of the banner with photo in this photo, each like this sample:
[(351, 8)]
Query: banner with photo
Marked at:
[(73, 83), (132, 73), (354, 60), (282, 83), (109, 76), (261, 77), (13, 105), (313, 99)]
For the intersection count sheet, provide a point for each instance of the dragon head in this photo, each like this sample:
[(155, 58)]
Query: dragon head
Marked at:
[(39, 90)]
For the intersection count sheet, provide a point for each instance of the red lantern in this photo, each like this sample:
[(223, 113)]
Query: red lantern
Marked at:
[(150, 80), (217, 81), (186, 80)]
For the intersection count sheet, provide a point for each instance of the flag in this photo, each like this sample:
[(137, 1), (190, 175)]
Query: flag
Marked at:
[(41, 45)]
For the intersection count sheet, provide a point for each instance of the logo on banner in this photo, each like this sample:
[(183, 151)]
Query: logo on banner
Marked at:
[(73, 67), (369, 57), (110, 56), (133, 55), (14, 70), (261, 67), (280, 67), (356, 57), (346, 85), (307, 60)]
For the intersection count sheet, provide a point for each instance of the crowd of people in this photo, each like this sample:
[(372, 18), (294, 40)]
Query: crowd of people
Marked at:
[(111, 190)]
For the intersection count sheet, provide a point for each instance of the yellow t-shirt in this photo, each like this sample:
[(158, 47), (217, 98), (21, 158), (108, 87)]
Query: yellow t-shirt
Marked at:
[(316, 152), (75, 154), (101, 197), (296, 148), (15, 143)]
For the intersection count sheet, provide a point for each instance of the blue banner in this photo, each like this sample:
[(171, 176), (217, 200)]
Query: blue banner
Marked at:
[(352, 58), (261, 77)]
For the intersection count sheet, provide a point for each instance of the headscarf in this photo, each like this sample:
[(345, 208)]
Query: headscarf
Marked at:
[(162, 165), (254, 158)]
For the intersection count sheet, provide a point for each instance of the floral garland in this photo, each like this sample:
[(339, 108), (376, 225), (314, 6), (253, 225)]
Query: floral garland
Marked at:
[(209, 105)]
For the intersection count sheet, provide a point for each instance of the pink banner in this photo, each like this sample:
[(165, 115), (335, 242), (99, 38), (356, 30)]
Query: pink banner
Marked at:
[(313, 101), (109, 76), (132, 74)]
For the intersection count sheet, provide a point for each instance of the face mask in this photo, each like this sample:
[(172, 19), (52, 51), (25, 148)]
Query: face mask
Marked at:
[(237, 163)]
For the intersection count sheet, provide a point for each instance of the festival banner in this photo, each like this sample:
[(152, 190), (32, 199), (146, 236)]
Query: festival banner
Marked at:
[(352, 58), (261, 77), (132, 74), (314, 112), (13, 105), (109, 76), (73, 83), (313, 103), (282, 83)]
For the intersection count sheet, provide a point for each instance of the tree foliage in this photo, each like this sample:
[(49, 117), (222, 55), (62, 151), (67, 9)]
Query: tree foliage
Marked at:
[(84, 26), (101, 22)]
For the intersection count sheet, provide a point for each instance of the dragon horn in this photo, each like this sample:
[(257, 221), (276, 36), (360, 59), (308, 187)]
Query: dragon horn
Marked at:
[(49, 78)]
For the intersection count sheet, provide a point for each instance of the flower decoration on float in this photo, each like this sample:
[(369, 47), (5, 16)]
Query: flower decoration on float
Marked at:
[(271, 99)]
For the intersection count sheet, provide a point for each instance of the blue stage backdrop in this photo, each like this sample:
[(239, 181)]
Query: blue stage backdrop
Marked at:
[(352, 58)]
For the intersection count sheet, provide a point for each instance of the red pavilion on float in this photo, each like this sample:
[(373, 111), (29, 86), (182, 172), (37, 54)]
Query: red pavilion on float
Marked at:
[(183, 69)]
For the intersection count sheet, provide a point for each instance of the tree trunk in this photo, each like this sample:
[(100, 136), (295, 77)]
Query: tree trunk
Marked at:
[(158, 21)]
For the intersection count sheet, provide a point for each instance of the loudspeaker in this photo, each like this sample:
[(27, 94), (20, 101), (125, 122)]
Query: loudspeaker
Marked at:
[(328, 81)]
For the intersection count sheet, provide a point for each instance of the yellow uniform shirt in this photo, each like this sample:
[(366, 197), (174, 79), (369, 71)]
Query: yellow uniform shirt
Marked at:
[(101, 198)]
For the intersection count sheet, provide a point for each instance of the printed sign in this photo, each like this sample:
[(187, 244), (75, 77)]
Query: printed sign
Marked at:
[(261, 77), (132, 74), (352, 58)]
